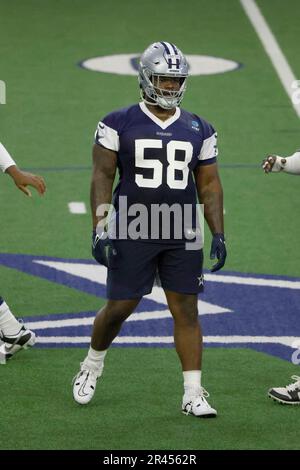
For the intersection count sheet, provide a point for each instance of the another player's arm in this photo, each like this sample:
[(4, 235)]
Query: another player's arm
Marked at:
[(210, 193), (275, 163), (103, 175), (22, 179)]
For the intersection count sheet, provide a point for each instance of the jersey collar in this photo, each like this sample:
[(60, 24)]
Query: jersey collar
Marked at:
[(159, 122)]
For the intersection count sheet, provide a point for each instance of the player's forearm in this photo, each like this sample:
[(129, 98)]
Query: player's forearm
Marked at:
[(211, 197), (100, 195), (5, 159), (13, 171)]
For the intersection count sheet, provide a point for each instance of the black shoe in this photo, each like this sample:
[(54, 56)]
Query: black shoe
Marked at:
[(13, 344)]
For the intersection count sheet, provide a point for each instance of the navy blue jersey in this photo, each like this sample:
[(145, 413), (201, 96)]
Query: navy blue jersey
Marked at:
[(156, 159)]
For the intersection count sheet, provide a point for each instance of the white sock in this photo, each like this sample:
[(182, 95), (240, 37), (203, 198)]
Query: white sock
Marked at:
[(95, 360), (8, 323), (192, 382)]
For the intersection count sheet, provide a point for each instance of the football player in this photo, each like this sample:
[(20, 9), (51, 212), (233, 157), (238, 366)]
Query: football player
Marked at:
[(13, 334), (164, 154), (273, 163)]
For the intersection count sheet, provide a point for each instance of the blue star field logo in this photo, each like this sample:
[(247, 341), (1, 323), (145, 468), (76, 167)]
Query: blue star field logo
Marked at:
[(236, 309)]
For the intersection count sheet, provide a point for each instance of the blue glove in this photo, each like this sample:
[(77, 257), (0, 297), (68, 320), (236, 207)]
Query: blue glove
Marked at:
[(103, 249), (218, 249)]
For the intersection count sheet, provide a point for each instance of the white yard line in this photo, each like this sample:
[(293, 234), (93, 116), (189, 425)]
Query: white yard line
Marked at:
[(77, 207), (284, 340), (272, 48)]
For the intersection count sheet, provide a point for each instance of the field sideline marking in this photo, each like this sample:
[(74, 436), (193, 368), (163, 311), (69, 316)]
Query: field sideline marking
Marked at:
[(284, 340), (240, 165), (272, 49)]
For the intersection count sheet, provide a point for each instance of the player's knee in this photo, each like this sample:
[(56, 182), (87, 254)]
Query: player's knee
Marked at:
[(184, 309), (190, 318), (115, 315), (186, 316)]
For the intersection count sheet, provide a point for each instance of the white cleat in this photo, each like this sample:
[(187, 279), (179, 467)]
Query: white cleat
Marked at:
[(289, 395), (198, 405), (13, 344), (84, 385)]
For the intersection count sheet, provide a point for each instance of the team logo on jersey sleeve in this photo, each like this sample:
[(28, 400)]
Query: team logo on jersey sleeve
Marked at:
[(101, 131), (195, 125)]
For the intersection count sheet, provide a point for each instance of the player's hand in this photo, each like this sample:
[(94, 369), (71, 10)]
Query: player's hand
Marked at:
[(273, 163), (23, 179), (103, 249), (218, 250)]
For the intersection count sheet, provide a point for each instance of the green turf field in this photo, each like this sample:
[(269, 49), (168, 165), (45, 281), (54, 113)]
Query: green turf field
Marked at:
[(47, 124), (134, 411)]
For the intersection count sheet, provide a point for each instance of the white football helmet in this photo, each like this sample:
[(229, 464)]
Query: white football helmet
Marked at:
[(162, 59)]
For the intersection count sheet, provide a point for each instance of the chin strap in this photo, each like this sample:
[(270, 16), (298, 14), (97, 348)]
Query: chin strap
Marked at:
[(152, 103)]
